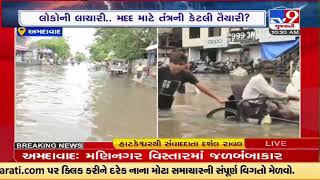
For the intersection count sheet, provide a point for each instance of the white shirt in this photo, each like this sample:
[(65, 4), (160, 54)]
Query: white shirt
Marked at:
[(139, 68), (259, 86), (296, 81)]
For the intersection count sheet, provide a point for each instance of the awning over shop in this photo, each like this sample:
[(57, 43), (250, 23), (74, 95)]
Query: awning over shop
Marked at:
[(22, 48), (234, 50), (270, 51)]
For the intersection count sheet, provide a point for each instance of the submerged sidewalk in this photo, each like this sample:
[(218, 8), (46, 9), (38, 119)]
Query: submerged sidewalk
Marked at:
[(146, 80)]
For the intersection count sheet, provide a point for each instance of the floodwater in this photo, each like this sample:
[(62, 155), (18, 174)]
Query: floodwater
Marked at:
[(188, 115), (73, 103)]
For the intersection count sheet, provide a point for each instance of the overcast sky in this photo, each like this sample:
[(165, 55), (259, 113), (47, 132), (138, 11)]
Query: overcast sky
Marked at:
[(78, 38)]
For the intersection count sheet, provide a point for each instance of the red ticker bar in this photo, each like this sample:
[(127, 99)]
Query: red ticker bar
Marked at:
[(98, 145), (282, 143), (270, 155)]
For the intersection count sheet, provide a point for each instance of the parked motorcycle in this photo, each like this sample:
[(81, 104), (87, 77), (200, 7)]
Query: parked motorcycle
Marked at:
[(195, 64), (203, 68), (220, 67)]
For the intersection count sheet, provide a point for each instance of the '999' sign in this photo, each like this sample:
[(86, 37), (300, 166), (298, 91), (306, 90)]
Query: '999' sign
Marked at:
[(248, 35)]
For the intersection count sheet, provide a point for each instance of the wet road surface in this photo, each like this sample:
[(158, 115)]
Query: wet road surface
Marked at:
[(187, 117), (71, 103)]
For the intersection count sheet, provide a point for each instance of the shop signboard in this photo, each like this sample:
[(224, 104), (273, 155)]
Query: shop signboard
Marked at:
[(243, 35), (215, 42)]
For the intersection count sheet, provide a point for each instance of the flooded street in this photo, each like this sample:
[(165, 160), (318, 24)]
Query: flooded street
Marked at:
[(188, 116), (71, 103)]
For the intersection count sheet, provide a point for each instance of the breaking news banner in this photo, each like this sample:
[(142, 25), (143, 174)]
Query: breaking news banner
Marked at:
[(49, 145), (169, 150)]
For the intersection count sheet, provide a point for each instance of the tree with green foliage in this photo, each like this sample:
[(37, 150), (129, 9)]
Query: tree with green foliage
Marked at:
[(110, 55), (59, 46), (20, 40), (97, 52), (124, 43), (79, 56)]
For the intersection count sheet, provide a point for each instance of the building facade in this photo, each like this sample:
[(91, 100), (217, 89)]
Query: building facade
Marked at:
[(169, 40), (31, 55), (240, 44)]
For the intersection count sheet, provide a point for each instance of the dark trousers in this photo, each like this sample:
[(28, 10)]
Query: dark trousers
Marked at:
[(139, 74), (165, 102), (182, 89)]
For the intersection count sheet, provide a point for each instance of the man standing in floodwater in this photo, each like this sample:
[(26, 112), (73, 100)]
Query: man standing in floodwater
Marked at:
[(172, 77), (139, 69)]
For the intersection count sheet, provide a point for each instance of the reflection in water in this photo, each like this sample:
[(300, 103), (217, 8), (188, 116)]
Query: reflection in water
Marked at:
[(187, 118), (55, 103)]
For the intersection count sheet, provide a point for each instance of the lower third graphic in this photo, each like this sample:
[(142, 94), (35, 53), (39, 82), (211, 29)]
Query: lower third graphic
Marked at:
[(39, 31)]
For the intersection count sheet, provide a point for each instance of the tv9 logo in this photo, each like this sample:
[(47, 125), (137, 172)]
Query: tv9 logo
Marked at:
[(284, 21)]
